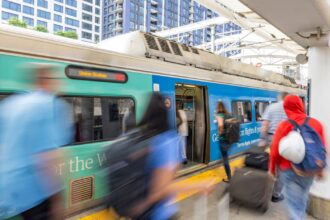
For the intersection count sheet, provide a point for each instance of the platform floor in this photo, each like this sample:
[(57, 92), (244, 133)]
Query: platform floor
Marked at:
[(219, 207)]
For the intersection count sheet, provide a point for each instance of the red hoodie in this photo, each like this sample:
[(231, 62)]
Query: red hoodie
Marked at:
[(294, 109)]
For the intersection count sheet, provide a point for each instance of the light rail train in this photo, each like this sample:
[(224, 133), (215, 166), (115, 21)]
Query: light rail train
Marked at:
[(102, 85)]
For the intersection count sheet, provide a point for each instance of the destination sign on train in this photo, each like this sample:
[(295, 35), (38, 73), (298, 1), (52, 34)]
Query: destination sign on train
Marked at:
[(84, 73)]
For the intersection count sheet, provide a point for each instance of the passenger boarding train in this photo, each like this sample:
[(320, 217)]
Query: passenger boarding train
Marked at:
[(105, 81)]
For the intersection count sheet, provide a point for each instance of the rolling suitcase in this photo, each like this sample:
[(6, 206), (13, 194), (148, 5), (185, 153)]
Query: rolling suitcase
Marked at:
[(257, 158), (252, 188)]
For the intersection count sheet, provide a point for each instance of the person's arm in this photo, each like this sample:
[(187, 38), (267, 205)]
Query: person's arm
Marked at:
[(281, 131), (220, 124), (163, 185)]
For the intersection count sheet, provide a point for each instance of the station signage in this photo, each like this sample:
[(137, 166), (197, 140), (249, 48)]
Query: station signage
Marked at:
[(95, 74)]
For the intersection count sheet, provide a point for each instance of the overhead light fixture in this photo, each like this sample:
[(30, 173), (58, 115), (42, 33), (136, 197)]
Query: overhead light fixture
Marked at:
[(302, 58)]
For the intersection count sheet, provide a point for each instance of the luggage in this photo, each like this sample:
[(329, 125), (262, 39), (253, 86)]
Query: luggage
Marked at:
[(252, 188), (125, 171), (257, 158)]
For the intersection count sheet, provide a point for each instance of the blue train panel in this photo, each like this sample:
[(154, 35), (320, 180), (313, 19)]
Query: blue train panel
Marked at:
[(250, 131)]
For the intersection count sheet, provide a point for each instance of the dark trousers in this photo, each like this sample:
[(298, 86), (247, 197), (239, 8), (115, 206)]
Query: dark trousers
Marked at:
[(224, 147), (39, 212)]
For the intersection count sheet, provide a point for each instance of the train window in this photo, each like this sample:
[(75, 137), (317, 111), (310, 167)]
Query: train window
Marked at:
[(101, 118), (242, 109), (260, 107)]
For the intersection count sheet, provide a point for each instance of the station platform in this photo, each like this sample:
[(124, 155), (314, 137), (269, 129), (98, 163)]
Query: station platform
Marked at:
[(216, 205)]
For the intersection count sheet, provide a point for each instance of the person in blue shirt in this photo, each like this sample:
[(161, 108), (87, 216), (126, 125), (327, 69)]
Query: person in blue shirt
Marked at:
[(162, 165), (32, 126)]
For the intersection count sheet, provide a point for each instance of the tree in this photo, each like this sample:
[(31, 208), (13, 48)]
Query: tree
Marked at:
[(41, 29), (68, 34), (17, 22)]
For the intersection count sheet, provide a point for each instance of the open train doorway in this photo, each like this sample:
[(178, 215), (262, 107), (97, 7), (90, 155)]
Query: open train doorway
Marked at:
[(192, 101)]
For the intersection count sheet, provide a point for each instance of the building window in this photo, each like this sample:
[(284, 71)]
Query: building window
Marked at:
[(87, 17), (11, 5), (97, 2), (28, 10), (97, 20), (57, 18), (99, 118), (97, 29), (97, 11), (242, 109), (29, 2), (72, 3), (72, 22), (61, 1), (86, 35), (70, 29), (42, 23), (71, 12), (90, 1), (58, 8), (97, 38), (28, 21), (86, 26), (43, 14), (7, 15), (87, 8), (57, 28), (43, 3)]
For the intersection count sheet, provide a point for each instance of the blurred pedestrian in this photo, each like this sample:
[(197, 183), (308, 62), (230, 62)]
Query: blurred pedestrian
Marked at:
[(221, 115), (162, 165), (182, 126), (296, 187), (273, 115), (32, 126)]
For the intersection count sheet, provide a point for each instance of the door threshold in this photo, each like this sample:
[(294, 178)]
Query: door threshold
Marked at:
[(190, 169)]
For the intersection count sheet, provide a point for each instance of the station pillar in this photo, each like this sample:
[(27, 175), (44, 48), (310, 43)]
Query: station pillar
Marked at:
[(319, 72)]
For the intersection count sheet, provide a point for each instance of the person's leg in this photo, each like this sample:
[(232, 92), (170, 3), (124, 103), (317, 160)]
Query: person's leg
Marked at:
[(224, 153), (277, 190), (183, 141), (296, 191)]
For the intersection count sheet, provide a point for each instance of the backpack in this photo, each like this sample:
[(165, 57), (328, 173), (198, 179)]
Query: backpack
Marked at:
[(126, 171), (315, 155), (232, 129)]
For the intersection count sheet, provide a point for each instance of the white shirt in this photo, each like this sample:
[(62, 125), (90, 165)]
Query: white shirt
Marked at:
[(183, 128)]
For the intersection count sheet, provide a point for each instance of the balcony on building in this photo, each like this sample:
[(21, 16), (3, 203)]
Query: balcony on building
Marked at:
[(153, 28), (119, 1), (118, 28), (119, 17), (153, 19), (153, 11), (154, 3), (119, 8)]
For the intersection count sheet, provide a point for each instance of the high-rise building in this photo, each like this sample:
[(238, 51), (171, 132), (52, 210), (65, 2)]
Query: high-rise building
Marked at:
[(121, 16), (80, 16)]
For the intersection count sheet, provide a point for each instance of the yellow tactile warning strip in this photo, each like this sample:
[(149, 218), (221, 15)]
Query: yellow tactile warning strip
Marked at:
[(218, 173)]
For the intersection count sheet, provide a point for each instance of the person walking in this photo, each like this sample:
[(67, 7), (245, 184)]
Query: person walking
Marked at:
[(296, 187), (32, 126), (273, 115), (221, 114)]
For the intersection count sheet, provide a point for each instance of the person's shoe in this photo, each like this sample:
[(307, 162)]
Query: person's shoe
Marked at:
[(185, 162), (226, 181), (277, 199)]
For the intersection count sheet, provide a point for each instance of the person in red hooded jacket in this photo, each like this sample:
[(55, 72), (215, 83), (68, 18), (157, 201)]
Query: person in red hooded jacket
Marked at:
[(296, 188)]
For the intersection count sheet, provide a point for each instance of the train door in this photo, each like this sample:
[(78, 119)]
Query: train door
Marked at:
[(192, 99)]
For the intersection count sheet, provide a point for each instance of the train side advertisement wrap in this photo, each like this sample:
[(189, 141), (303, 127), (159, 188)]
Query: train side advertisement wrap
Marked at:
[(95, 74)]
